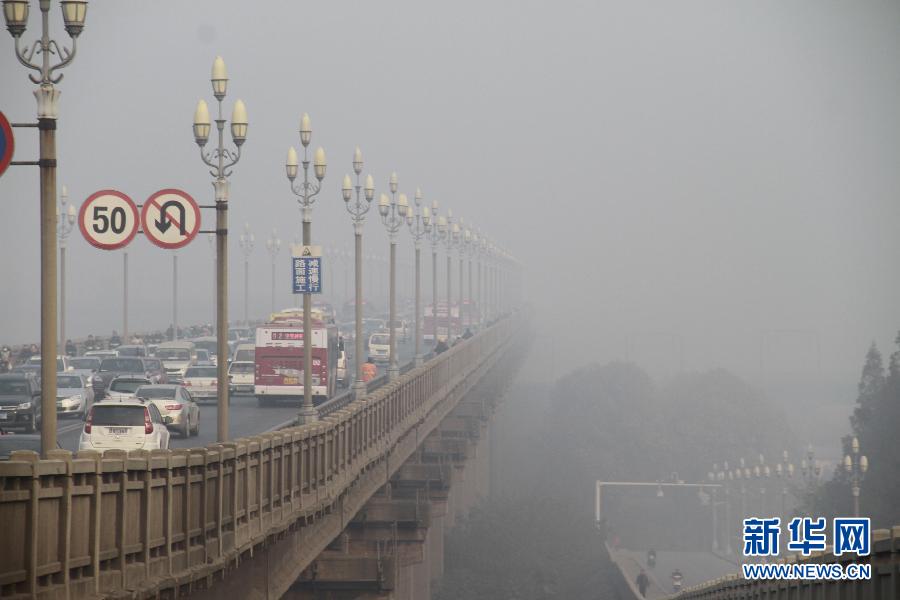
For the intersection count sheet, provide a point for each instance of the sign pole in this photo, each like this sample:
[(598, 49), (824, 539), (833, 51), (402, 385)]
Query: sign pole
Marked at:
[(47, 162)]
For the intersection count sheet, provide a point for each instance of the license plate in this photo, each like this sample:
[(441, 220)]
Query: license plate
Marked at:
[(291, 381), (2, 416), (117, 430)]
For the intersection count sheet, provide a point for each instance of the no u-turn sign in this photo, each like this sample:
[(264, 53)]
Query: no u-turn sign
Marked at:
[(171, 218)]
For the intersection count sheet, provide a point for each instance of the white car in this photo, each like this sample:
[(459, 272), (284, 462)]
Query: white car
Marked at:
[(74, 395), (124, 387), (125, 425), (241, 375), (173, 401), (202, 382), (62, 363), (380, 346)]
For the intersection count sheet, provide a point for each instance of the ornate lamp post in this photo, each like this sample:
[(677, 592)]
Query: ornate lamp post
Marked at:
[(273, 245), (15, 13), (65, 222), (358, 209), (856, 465), (306, 193), (433, 234), (393, 212), (221, 161), (246, 242), (450, 235), (785, 473), (459, 233), (418, 220), (211, 237)]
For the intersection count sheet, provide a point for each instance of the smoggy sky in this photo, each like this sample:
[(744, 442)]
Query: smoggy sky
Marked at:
[(692, 183)]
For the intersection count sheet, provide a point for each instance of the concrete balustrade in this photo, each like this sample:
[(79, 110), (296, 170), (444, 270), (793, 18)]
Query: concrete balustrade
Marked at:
[(166, 523)]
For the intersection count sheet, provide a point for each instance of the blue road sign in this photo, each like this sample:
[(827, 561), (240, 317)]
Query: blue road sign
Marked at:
[(306, 270), (7, 144)]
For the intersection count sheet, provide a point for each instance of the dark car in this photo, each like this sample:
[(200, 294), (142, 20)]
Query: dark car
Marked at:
[(133, 350), (9, 443), (20, 402), (111, 368)]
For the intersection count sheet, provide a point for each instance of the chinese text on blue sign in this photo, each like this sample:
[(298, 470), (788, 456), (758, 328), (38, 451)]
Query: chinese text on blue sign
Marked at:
[(307, 274)]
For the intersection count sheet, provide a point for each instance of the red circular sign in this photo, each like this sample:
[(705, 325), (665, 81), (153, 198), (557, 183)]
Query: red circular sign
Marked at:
[(7, 144), (171, 218), (108, 219)]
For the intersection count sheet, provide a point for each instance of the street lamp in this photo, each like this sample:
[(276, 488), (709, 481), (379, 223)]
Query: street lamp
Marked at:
[(433, 235), (306, 193), (65, 222), (785, 473), (273, 245), (451, 235), (459, 232), (856, 466), (418, 220), (358, 209), (15, 12), (246, 242), (393, 212), (211, 238), (221, 160)]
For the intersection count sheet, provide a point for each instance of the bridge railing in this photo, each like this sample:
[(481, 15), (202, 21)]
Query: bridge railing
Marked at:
[(76, 525), (884, 583)]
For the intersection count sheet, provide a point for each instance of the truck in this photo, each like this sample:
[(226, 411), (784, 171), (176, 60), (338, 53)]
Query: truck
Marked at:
[(278, 358)]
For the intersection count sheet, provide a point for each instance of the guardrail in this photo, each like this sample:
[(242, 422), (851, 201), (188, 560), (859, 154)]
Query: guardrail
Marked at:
[(141, 523), (883, 585)]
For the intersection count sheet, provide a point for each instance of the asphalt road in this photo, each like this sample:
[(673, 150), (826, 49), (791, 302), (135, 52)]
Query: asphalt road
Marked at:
[(247, 417)]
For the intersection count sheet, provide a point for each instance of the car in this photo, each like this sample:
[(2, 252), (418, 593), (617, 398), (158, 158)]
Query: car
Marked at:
[(203, 359), (124, 386), (401, 329), (208, 343), (111, 368), (9, 443), (244, 353), (202, 382), (20, 401), (241, 374), (85, 366), (131, 424), (176, 402), (101, 354), (340, 372), (155, 371), (176, 357), (136, 350), (380, 346), (74, 394), (62, 363), (33, 370)]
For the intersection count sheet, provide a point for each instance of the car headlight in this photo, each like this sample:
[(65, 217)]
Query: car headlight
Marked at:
[(25, 406), (77, 398)]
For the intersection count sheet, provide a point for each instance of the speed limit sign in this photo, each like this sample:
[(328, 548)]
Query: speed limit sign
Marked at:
[(108, 219)]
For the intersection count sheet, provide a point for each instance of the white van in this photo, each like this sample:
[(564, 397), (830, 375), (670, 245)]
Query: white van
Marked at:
[(380, 346)]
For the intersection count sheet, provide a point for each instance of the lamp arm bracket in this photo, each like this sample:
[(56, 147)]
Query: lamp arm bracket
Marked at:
[(233, 157), (66, 55), (207, 158), (25, 56)]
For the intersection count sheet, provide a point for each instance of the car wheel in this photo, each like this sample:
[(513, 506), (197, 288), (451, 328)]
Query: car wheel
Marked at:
[(196, 431), (186, 429), (31, 427)]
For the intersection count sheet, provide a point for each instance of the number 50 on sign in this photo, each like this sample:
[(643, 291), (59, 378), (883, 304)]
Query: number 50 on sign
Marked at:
[(108, 219)]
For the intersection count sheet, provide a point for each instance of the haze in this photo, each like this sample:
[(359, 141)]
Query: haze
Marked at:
[(688, 185)]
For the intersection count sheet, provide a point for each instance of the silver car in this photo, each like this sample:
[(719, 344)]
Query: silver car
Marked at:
[(74, 395), (175, 402)]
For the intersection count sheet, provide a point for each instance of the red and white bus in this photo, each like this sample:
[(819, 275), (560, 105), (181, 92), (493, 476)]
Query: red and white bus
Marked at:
[(278, 373), (428, 322)]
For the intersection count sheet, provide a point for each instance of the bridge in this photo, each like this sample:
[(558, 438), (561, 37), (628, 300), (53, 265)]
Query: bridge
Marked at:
[(352, 506)]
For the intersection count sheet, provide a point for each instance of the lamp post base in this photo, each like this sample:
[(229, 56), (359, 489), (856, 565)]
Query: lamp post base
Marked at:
[(393, 372), (359, 389), (307, 415), (419, 360)]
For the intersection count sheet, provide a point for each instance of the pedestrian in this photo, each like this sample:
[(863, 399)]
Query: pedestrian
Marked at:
[(643, 582), (71, 350), (441, 346), (369, 370)]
